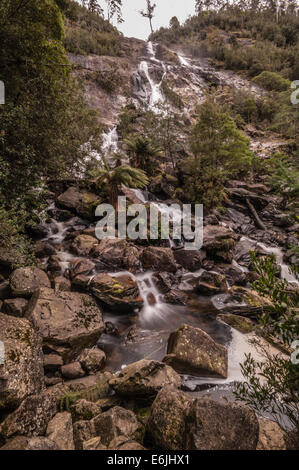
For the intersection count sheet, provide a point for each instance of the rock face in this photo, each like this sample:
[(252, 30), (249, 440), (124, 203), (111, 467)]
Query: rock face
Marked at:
[(117, 253), (67, 321), (144, 379), (158, 258), (31, 418), (22, 373), (166, 425), (189, 259), (218, 241), (81, 202), (25, 281), (60, 431), (119, 294), (271, 436), (192, 351), (211, 425), (116, 422)]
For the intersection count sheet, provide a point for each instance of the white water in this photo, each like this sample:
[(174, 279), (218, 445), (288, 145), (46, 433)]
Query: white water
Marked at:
[(110, 141), (156, 95), (183, 61)]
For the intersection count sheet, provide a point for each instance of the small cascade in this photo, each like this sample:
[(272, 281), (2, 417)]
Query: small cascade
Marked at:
[(183, 61), (110, 141), (156, 95), (154, 310)]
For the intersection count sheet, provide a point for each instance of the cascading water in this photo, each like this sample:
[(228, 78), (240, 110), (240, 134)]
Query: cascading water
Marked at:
[(110, 141), (156, 95)]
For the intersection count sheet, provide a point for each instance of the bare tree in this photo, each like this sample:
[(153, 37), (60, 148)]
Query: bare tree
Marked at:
[(114, 8), (149, 12)]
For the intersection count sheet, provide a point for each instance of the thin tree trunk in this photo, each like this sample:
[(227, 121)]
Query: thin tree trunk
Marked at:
[(150, 20), (256, 218)]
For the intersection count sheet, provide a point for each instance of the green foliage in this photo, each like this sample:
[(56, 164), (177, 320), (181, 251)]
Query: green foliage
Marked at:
[(283, 176), (109, 80), (220, 152), (143, 154), (272, 81)]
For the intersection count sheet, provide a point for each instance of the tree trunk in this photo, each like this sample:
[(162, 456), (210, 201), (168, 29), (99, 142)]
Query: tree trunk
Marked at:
[(256, 218)]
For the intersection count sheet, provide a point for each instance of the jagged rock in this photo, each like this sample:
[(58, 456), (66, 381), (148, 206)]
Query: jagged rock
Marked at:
[(246, 302), (192, 351), (120, 294), (15, 307), (37, 231), (22, 373), (25, 281), (212, 425), (233, 274), (271, 436), (43, 249), (166, 424), (116, 422), (190, 259), (67, 321), (83, 432), (62, 284), (81, 283), (52, 362), (94, 444), (72, 371), (211, 283), (33, 443), (117, 253), (158, 258), (83, 244), (82, 266), (31, 418), (81, 202), (164, 281), (242, 324), (176, 297), (85, 410), (60, 431), (144, 379), (219, 242), (92, 360)]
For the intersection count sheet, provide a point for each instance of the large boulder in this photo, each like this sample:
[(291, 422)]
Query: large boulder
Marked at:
[(81, 202), (211, 283), (83, 244), (25, 281), (212, 425), (92, 360), (120, 294), (190, 259), (117, 253), (192, 351), (22, 373), (219, 242), (116, 422), (159, 258), (60, 431), (31, 418), (67, 321), (246, 302), (242, 324), (144, 379), (166, 424)]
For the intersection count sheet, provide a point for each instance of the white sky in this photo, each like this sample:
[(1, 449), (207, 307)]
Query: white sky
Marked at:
[(137, 26)]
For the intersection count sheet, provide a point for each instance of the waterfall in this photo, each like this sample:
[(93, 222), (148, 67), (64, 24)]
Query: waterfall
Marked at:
[(156, 95), (110, 141)]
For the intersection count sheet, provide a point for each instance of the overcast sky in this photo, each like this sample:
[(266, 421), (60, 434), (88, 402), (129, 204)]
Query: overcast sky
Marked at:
[(137, 26)]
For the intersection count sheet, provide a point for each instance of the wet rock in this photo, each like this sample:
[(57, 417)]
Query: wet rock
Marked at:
[(15, 307), (242, 324), (189, 259), (120, 294), (54, 265), (164, 281), (81, 202), (85, 410), (37, 231), (271, 436), (61, 283), (83, 244), (251, 303), (60, 431), (159, 258), (92, 360), (192, 351), (31, 418), (82, 266), (52, 362), (212, 425), (72, 371), (117, 253), (110, 329), (283, 220), (166, 424), (144, 379), (176, 297), (67, 321), (43, 249), (25, 281), (211, 283), (219, 241), (116, 422), (60, 215), (81, 283), (233, 274), (22, 373)]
